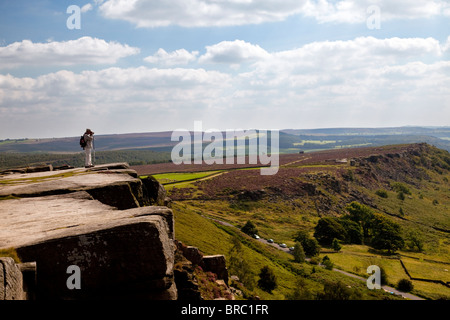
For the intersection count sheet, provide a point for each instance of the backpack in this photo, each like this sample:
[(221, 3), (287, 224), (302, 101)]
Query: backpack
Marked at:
[(83, 142)]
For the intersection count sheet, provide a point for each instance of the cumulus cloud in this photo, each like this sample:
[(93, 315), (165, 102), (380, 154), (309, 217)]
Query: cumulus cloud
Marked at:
[(233, 53), (85, 50), (204, 13), (177, 57), (356, 11), (199, 13), (364, 81)]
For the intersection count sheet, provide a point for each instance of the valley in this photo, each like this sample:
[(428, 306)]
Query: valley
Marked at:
[(406, 185)]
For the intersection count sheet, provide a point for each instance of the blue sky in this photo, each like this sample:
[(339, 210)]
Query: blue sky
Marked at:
[(153, 65)]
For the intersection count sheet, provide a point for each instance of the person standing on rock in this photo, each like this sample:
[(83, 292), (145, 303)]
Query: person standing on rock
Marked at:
[(89, 138)]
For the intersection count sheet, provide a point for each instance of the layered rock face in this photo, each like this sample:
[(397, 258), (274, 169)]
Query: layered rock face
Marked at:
[(91, 234)]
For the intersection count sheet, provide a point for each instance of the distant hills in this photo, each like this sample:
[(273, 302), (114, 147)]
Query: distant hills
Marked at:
[(291, 140), (152, 147)]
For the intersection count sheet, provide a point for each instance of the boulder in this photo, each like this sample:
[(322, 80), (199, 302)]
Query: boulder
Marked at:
[(154, 191), (118, 259), (216, 264)]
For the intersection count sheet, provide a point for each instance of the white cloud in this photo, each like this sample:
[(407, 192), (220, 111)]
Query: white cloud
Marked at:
[(233, 53), (365, 81), (86, 8), (204, 13), (112, 100), (85, 50), (355, 11), (199, 13), (177, 57)]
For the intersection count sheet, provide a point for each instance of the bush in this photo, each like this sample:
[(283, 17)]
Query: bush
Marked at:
[(381, 193), (336, 245), (249, 228), (400, 187), (327, 263), (299, 253), (405, 285), (267, 280), (335, 291)]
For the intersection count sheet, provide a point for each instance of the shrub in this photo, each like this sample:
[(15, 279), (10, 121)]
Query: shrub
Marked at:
[(298, 253), (400, 187), (381, 193), (401, 195), (267, 280), (405, 285), (327, 263), (335, 291), (249, 228), (336, 245)]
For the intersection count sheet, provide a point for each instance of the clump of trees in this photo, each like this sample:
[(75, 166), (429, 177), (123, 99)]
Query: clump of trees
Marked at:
[(361, 225), (249, 228), (309, 244)]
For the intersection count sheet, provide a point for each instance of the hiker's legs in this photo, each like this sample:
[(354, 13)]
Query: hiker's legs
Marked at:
[(88, 161)]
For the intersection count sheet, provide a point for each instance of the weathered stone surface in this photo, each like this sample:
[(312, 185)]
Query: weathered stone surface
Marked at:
[(11, 282), (118, 258), (192, 254), (154, 191), (187, 285), (94, 220), (118, 187), (217, 265)]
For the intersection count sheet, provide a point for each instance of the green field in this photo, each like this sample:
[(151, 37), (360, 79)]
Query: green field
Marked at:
[(172, 178)]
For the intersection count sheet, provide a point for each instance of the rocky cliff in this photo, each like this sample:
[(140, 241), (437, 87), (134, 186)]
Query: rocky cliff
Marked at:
[(99, 233)]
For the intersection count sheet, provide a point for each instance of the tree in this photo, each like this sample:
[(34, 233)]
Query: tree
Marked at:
[(310, 245), (267, 280), (327, 263), (386, 234), (415, 240), (299, 253), (327, 229), (405, 285), (336, 245), (249, 228), (353, 230), (360, 214)]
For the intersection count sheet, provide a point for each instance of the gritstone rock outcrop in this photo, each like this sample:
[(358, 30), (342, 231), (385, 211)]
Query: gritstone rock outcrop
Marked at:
[(98, 220)]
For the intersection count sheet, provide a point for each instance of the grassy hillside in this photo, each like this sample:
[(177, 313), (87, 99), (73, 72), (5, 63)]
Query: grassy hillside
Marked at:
[(406, 184), (192, 228)]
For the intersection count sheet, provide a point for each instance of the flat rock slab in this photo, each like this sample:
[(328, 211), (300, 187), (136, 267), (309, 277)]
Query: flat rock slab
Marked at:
[(45, 183), (27, 220)]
